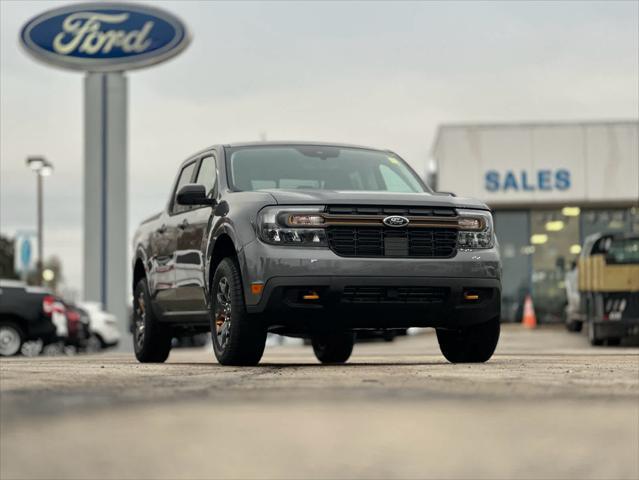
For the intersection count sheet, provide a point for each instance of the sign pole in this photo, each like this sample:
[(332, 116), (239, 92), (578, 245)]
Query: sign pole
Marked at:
[(39, 265), (105, 194)]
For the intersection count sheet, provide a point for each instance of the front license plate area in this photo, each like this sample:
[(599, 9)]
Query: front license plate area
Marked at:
[(396, 247)]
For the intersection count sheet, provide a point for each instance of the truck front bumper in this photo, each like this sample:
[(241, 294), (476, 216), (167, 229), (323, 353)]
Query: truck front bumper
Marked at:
[(357, 292)]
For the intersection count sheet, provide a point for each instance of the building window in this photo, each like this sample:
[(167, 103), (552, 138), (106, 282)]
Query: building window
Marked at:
[(618, 220)]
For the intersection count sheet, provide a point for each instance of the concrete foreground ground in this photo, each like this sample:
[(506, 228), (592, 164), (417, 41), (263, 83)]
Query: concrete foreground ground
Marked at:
[(546, 406)]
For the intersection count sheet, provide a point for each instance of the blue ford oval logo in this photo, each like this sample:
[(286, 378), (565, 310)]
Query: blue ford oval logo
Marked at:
[(396, 221), (104, 36)]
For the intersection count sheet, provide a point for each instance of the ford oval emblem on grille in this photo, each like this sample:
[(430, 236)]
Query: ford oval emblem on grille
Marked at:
[(396, 221)]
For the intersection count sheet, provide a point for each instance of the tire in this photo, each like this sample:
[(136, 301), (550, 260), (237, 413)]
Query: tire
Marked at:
[(238, 338), (151, 339), (334, 347), (93, 344), (32, 348), (613, 342), (574, 326), (11, 339), (593, 338), (53, 349), (474, 344), (388, 336)]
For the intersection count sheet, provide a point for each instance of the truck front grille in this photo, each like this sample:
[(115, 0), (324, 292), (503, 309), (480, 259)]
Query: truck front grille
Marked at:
[(392, 242), (361, 294), (377, 210)]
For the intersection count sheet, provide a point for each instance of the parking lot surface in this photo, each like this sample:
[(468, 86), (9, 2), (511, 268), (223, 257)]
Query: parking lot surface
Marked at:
[(546, 406)]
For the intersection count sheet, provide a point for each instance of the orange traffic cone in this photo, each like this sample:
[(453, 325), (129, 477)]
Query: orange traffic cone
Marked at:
[(529, 320)]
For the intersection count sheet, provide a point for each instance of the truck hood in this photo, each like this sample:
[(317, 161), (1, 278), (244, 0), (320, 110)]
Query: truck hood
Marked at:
[(349, 197)]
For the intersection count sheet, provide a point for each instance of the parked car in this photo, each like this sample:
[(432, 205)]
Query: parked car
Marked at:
[(103, 325), (28, 313), (79, 330), (312, 240), (608, 283)]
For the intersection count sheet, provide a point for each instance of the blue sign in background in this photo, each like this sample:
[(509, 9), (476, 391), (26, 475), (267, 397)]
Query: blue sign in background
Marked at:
[(104, 36), (161, 34), (25, 253)]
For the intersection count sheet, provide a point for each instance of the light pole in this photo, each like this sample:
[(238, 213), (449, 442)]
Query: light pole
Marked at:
[(42, 168)]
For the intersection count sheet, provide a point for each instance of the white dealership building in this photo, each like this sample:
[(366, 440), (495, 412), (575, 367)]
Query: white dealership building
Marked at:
[(550, 185)]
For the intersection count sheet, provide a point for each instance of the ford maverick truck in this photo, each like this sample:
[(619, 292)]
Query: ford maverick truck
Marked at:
[(315, 241)]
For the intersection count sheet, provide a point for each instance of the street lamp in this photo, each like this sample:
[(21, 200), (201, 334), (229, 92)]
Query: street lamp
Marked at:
[(43, 168)]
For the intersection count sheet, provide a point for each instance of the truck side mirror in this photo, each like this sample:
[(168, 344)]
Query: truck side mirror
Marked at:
[(193, 194)]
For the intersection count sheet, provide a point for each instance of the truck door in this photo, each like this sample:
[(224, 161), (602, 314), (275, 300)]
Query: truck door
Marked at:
[(192, 242), (166, 263), (160, 267)]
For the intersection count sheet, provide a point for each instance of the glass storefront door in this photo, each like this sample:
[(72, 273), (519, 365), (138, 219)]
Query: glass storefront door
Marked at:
[(555, 242), (512, 228)]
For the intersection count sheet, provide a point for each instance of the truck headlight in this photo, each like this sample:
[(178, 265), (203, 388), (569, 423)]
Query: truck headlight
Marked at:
[(475, 229), (302, 226)]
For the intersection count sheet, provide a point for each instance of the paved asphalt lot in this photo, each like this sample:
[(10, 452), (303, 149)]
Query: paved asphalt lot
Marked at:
[(546, 406)]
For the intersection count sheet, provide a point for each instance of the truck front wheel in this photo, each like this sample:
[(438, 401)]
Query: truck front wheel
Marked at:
[(474, 344), (238, 338)]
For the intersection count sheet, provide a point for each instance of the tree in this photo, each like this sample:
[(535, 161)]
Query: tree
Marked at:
[(7, 258)]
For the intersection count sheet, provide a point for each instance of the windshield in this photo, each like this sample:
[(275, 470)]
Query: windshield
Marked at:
[(319, 167)]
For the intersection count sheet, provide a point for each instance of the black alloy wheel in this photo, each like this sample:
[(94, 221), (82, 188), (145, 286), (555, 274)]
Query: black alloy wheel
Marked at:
[(238, 337), (151, 339)]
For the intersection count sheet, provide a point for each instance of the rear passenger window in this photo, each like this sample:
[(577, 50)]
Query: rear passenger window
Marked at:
[(185, 179), (207, 175)]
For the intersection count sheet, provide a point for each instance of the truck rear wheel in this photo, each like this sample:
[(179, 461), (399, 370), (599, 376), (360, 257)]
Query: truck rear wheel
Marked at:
[(474, 344), (238, 338), (151, 339), (334, 347), (11, 339)]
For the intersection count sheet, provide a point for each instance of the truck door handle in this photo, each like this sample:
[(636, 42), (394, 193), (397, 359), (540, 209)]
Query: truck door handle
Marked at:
[(184, 224), (162, 229)]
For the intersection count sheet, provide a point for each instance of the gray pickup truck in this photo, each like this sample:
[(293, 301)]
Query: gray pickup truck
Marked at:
[(316, 241)]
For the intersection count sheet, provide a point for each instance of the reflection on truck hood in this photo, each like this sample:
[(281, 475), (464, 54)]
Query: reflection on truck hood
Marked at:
[(322, 197)]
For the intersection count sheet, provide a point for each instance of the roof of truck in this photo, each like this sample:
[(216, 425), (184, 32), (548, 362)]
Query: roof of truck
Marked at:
[(275, 143), (282, 143)]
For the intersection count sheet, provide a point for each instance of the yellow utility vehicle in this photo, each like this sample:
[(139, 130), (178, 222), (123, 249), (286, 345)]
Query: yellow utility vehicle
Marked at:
[(608, 282)]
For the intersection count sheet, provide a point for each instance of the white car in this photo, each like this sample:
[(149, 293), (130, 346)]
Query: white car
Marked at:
[(104, 325)]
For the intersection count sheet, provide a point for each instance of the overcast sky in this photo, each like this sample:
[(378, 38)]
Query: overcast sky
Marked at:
[(381, 74)]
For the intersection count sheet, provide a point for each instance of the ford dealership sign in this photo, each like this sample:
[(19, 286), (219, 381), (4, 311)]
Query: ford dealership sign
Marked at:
[(101, 37)]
